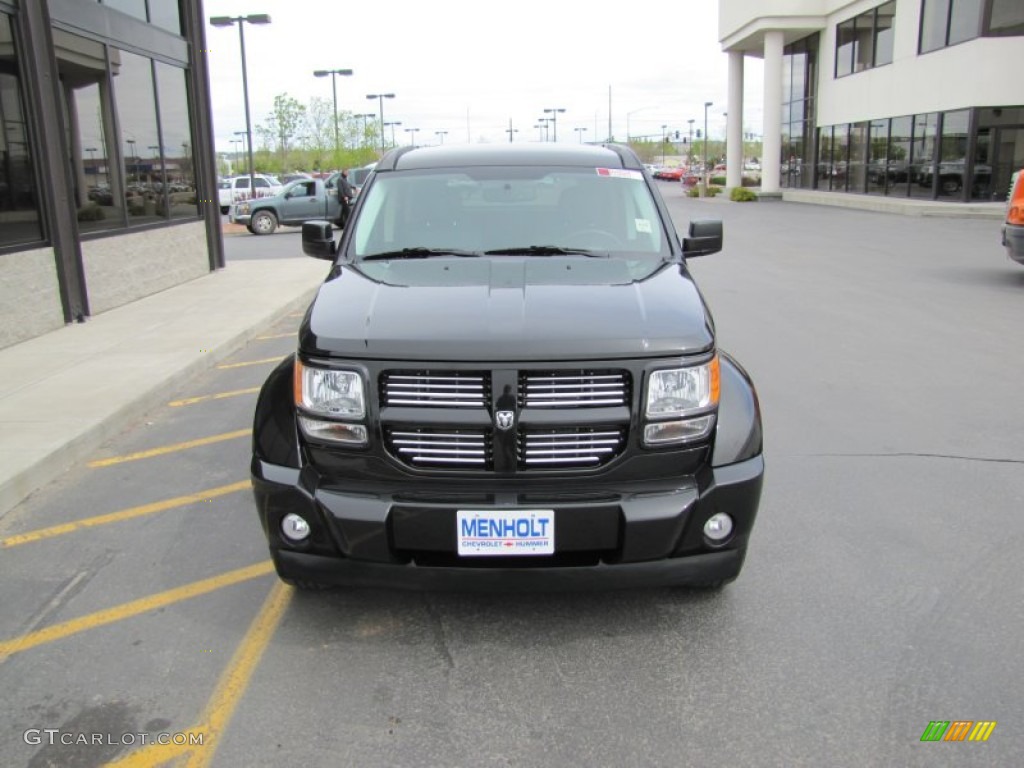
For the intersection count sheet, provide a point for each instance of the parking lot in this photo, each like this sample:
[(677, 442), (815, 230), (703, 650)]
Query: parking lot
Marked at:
[(881, 590)]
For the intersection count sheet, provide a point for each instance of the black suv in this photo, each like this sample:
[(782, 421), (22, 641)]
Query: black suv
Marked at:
[(508, 380)]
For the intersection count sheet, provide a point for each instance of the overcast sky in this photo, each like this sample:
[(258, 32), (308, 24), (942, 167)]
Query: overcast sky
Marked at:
[(469, 67)]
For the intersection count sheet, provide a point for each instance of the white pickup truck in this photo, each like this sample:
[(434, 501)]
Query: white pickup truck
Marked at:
[(232, 190)]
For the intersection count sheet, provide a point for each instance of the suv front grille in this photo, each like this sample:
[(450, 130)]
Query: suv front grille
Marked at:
[(573, 389), (445, 389), (574, 419)]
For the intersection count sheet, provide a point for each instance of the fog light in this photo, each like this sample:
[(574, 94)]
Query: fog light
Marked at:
[(295, 528), (718, 527)]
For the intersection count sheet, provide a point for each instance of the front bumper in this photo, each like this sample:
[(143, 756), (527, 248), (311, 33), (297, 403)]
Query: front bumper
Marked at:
[(642, 536), (239, 218), (1013, 239)]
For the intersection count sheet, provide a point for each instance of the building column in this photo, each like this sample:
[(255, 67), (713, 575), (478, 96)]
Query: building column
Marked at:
[(772, 151), (734, 123)]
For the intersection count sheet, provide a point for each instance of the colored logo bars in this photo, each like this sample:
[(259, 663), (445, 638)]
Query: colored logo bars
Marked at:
[(958, 730)]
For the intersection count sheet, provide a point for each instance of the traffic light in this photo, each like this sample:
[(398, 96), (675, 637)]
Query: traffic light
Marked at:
[(698, 133)]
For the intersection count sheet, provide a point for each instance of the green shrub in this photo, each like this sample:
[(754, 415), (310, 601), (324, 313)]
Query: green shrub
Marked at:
[(91, 212), (742, 195), (695, 191), (719, 180)]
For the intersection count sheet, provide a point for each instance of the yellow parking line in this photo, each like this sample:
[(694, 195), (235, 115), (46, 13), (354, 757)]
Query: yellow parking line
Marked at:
[(235, 679), (264, 361), (230, 688), (218, 396), (170, 448), (124, 514), (275, 336), (134, 608)]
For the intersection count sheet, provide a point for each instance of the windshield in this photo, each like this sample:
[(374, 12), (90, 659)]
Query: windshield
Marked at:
[(510, 211)]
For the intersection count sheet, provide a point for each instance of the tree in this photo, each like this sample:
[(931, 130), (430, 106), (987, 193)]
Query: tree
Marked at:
[(284, 124)]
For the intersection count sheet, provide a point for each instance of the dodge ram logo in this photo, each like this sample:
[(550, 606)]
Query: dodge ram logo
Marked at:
[(504, 419)]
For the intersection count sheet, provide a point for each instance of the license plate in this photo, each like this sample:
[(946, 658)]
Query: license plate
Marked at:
[(505, 532)]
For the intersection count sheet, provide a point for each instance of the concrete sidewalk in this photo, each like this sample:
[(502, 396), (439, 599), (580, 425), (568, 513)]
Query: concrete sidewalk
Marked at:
[(64, 393)]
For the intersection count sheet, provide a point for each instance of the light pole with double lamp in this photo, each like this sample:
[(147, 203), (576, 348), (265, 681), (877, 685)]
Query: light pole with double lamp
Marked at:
[(392, 124), (689, 145), (227, 21), (412, 135), (334, 86), (366, 116), (442, 134), (554, 120), (381, 97), (580, 131), (704, 186)]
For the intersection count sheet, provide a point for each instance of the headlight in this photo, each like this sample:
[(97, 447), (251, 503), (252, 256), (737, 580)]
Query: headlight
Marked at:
[(674, 392), (241, 209), (681, 403), (329, 392)]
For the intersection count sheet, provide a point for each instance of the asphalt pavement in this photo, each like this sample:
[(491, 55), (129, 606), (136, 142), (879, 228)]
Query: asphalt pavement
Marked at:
[(881, 591)]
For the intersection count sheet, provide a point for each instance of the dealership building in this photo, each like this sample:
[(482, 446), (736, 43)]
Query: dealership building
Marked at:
[(106, 158), (905, 99)]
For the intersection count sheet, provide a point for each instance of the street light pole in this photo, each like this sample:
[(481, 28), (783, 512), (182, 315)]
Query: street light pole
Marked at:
[(334, 86), (704, 186), (689, 146), (554, 120), (510, 130), (227, 21), (412, 135), (580, 131), (381, 97), (663, 144), (397, 122), (442, 134), (245, 148)]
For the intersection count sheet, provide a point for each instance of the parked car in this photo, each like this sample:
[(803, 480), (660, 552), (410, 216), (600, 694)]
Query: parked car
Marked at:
[(508, 380), (674, 173), (1013, 228), (232, 190), (297, 203)]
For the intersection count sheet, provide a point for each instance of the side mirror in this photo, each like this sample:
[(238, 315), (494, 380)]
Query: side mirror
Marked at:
[(705, 237), (318, 239)]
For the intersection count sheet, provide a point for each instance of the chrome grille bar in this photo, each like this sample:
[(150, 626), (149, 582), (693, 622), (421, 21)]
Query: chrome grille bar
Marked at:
[(448, 389), (425, 448), (540, 389)]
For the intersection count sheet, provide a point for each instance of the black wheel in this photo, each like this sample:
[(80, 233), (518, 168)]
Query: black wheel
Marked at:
[(224, 210), (263, 223)]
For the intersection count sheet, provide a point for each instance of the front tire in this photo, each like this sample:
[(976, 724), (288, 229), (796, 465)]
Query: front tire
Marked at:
[(263, 223)]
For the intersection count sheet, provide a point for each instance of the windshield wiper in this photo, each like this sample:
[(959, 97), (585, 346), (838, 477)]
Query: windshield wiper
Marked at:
[(545, 250), (417, 253)]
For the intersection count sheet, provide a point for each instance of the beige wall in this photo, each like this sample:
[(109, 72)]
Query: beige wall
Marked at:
[(29, 298), (126, 267)]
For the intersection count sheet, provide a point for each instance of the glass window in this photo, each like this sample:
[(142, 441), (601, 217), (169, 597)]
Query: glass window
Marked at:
[(863, 42), (824, 164), (900, 139), (878, 167), (177, 138), (799, 63), (20, 221), (845, 39), (840, 156), (965, 20), (136, 8), (857, 169), (136, 108), (922, 155), (934, 17), (164, 14), (98, 192), (983, 171), (884, 33), (498, 207), (1006, 18), (953, 153)]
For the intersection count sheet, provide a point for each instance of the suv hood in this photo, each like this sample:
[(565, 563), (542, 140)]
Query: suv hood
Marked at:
[(506, 308)]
